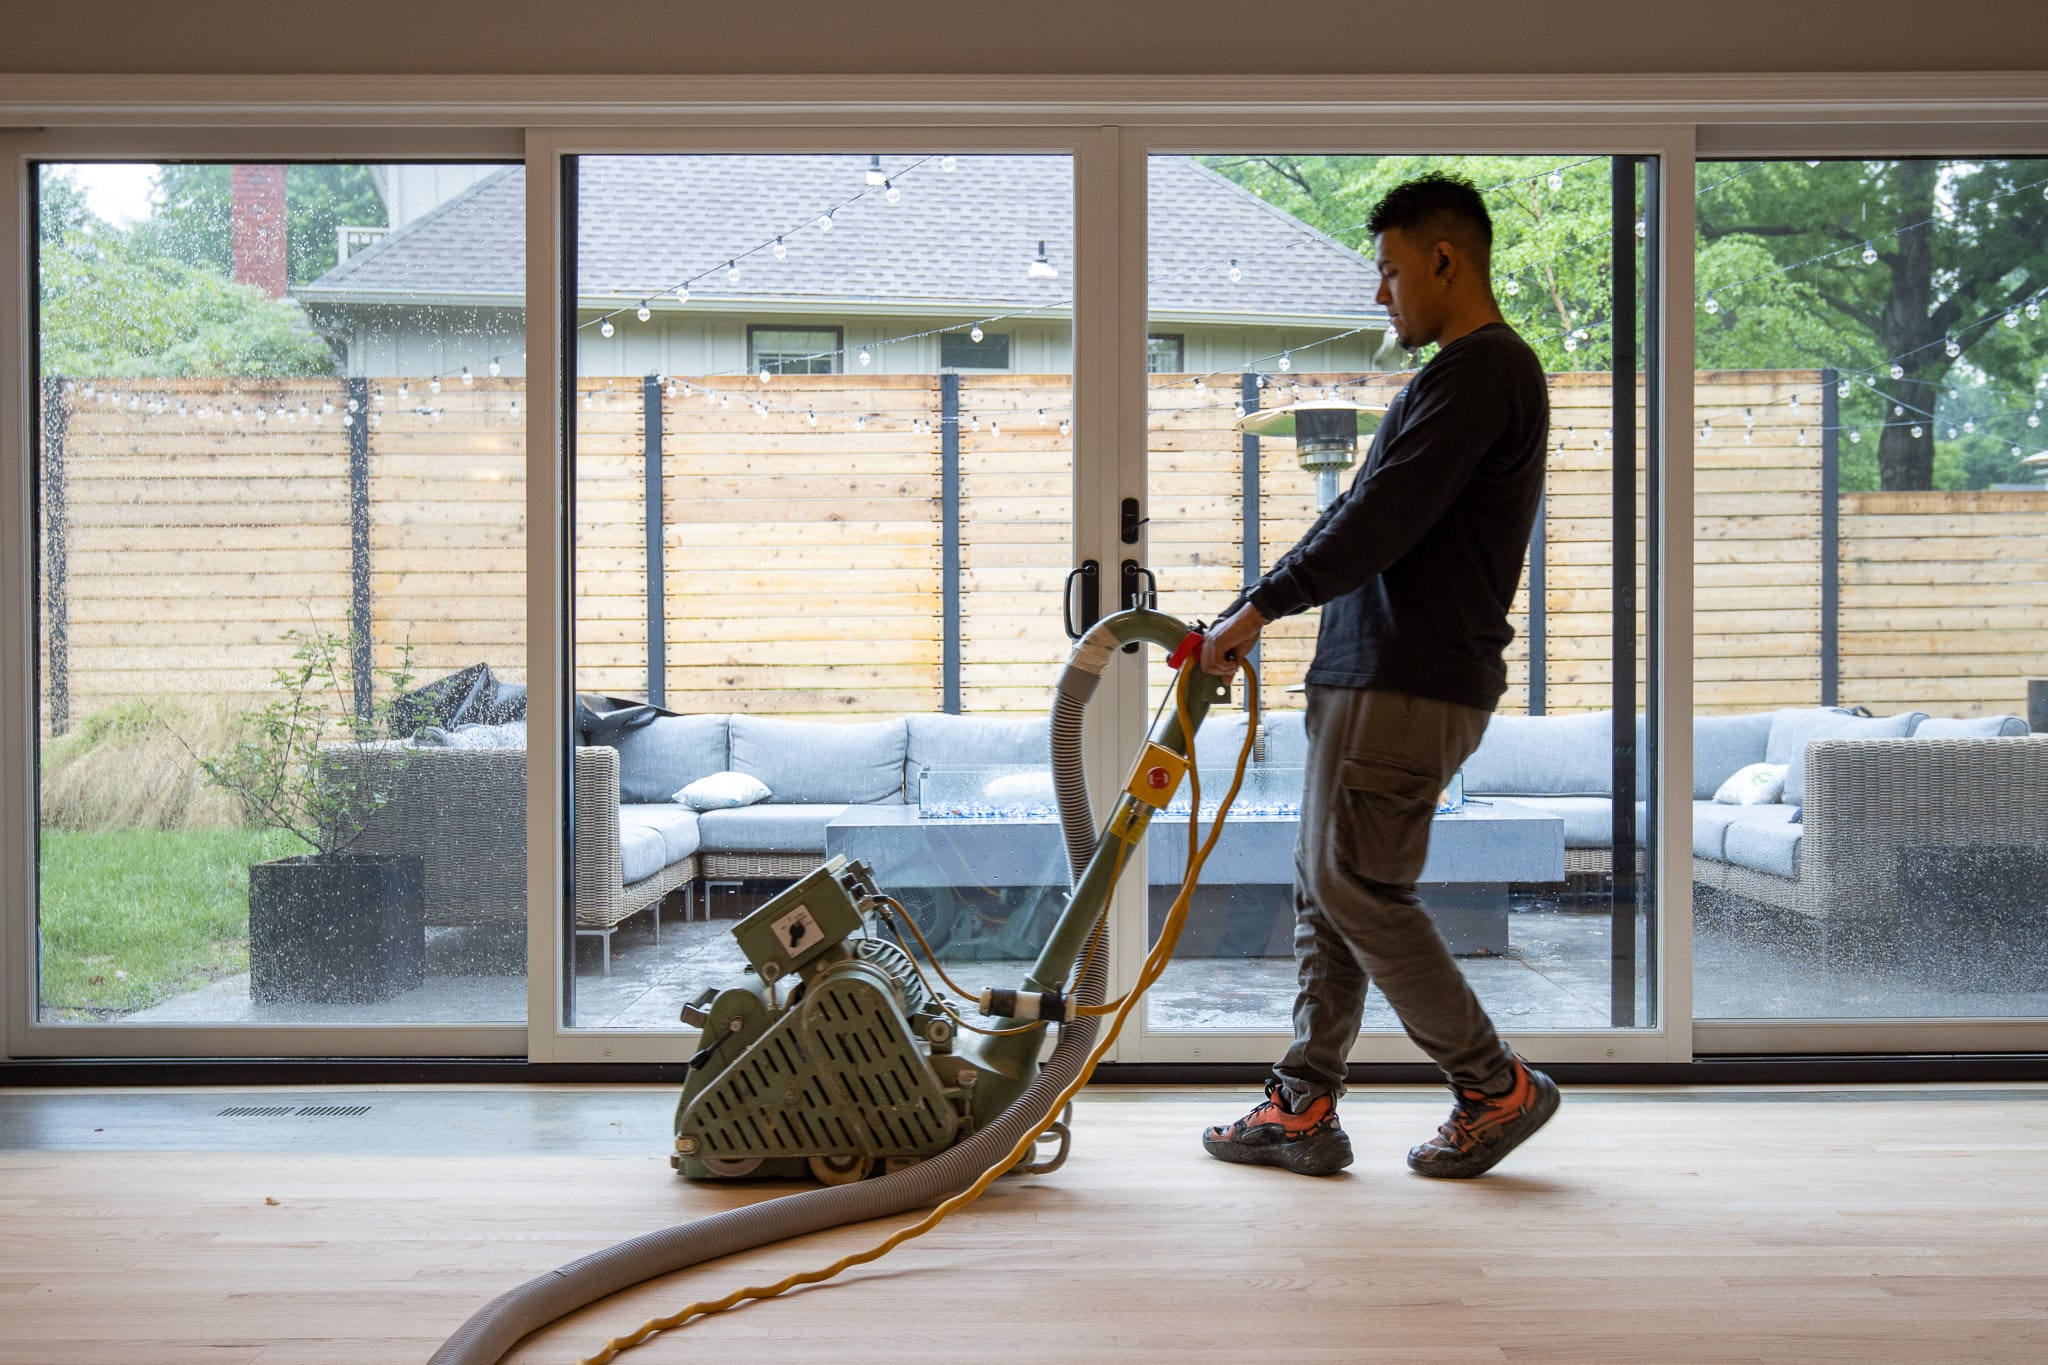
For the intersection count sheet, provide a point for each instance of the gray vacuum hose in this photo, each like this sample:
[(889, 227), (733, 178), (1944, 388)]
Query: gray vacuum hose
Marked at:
[(500, 1324)]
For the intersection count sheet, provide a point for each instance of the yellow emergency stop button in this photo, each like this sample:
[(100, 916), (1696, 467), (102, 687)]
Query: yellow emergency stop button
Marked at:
[(1156, 775)]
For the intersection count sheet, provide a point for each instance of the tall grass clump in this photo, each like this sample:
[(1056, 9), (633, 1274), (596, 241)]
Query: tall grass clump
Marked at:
[(136, 766)]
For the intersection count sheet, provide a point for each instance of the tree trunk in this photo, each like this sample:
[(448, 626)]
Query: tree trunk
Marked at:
[(1906, 330)]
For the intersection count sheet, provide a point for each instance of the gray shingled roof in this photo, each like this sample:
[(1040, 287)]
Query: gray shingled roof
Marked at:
[(958, 241)]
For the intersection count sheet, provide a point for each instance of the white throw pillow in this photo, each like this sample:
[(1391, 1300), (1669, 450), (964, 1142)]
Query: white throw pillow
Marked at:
[(1759, 784), (722, 791)]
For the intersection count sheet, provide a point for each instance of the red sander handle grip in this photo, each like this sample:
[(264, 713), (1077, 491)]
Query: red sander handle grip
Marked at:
[(1190, 645)]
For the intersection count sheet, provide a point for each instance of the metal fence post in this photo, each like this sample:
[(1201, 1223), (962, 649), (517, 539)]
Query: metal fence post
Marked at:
[(1830, 540), (949, 542), (56, 576), (657, 584), (362, 657)]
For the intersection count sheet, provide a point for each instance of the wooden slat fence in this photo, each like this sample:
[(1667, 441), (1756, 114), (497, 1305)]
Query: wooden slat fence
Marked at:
[(801, 546)]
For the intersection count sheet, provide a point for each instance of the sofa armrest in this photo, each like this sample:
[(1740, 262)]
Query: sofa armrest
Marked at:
[(1866, 799), (464, 812), (597, 874)]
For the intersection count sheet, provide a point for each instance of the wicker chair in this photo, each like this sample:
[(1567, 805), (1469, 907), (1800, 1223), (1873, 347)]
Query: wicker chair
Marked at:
[(464, 812)]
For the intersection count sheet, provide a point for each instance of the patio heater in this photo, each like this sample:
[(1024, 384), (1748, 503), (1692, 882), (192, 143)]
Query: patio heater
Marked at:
[(1325, 433)]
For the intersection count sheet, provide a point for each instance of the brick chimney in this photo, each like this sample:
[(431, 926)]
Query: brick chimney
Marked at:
[(259, 230)]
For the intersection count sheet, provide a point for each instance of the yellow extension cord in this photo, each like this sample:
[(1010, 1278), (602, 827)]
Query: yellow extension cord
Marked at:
[(1154, 966)]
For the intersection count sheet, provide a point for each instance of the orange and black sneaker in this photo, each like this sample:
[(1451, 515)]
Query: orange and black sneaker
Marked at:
[(1484, 1128), (1307, 1143)]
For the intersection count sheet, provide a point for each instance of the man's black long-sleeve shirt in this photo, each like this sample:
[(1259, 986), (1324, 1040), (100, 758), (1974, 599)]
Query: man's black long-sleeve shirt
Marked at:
[(1417, 564)]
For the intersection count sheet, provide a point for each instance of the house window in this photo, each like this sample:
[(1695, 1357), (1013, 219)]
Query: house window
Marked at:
[(960, 351), (1165, 354), (789, 350)]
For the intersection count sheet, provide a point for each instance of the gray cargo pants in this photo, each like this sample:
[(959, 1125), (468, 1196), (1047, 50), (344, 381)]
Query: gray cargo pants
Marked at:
[(1376, 764)]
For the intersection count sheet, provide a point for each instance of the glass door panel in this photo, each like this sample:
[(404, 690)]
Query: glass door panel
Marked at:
[(823, 493), (283, 584), (1263, 296), (1870, 566)]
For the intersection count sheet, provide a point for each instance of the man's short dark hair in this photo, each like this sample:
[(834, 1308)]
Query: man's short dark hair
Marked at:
[(1437, 207)]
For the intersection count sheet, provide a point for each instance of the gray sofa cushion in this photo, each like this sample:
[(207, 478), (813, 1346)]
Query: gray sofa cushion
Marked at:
[(641, 853), (942, 741), (1219, 739), (1569, 755), (1721, 745), (817, 761), (768, 828), (1286, 739), (669, 753), (1765, 846), (1588, 820), (677, 826), (1971, 727), (1711, 823), (1793, 729)]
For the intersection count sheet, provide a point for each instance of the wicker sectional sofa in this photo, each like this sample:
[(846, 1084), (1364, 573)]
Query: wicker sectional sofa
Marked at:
[(1866, 790)]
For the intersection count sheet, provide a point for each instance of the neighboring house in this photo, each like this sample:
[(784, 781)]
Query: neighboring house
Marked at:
[(961, 244)]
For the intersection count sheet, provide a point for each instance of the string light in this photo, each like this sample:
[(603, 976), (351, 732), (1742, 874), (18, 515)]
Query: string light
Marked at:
[(948, 164), (890, 194), (866, 357), (495, 367), (643, 312), (824, 222), (1286, 360), (1952, 348), (2012, 319), (682, 293), (732, 272), (781, 251), (875, 176), (975, 333), (1712, 305), (1898, 371), (606, 328), (1870, 255), (1512, 287), (1235, 273), (1042, 268), (434, 384), (467, 377), (763, 376)]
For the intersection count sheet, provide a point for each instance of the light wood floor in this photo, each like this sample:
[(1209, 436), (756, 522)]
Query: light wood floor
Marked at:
[(1687, 1226)]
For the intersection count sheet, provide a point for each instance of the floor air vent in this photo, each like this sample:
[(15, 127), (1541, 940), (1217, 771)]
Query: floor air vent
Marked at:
[(254, 1111), (333, 1111), (279, 1111)]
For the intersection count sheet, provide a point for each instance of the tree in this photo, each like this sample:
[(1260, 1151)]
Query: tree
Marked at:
[(1915, 266), (194, 221), (111, 306)]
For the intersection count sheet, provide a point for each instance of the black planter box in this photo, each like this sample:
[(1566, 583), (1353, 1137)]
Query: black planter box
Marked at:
[(345, 929)]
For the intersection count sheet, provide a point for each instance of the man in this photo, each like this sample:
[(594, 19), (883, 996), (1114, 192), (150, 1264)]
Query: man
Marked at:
[(1414, 568)]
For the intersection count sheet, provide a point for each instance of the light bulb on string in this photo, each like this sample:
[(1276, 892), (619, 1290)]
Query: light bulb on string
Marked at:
[(587, 402), (303, 410), (1951, 433), (1235, 273), (2012, 319), (781, 250), (404, 392), (974, 333), (760, 409), (732, 272), (811, 417), (1042, 268), (378, 398), (467, 377), (326, 407), (1802, 436), (494, 368), (875, 176), (866, 356), (1856, 437), (1795, 403), (763, 377), (682, 293), (948, 164), (347, 420), (1065, 426), (1870, 255), (1237, 410), (860, 424), (2033, 419), (1898, 410), (1557, 180), (1970, 426), (890, 194), (434, 384), (1898, 371), (1512, 287), (643, 312), (1571, 343), (995, 428), (513, 407), (376, 419), (1706, 431), (1952, 348), (1286, 360), (1918, 432), (605, 328), (2033, 309), (1642, 229), (1869, 381), (824, 222)]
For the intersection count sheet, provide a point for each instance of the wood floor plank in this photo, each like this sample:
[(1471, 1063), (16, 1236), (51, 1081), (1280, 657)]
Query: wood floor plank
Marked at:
[(1892, 1225)]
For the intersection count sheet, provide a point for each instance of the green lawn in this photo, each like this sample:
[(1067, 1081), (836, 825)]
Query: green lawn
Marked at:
[(131, 917)]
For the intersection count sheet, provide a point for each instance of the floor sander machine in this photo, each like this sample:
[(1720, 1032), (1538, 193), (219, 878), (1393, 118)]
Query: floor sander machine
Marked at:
[(835, 1057)]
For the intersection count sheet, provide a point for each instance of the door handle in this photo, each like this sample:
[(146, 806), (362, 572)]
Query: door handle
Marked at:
[(1140, 589), (1090, 575)]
